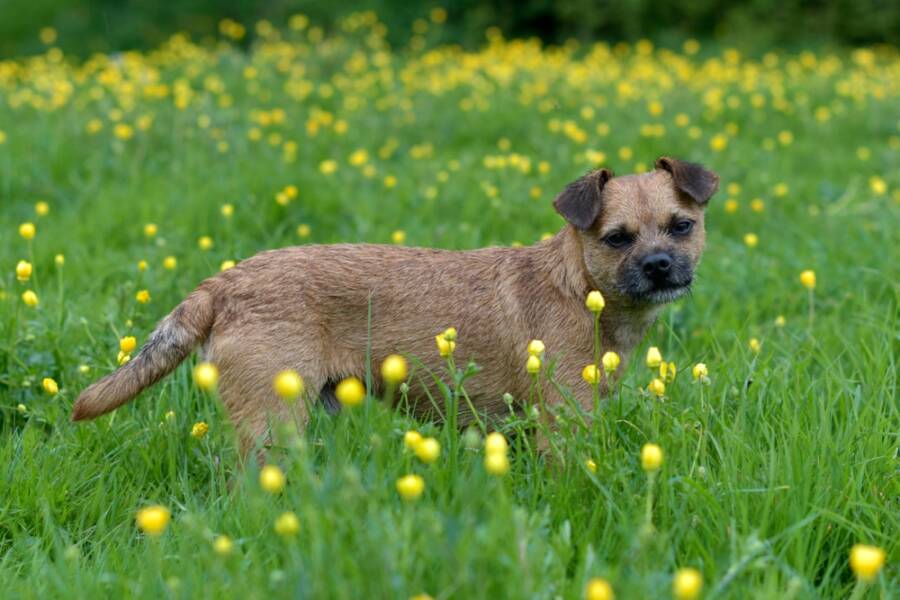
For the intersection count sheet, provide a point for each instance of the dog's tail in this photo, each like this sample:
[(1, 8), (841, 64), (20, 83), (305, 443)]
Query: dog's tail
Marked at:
[(170, 343)]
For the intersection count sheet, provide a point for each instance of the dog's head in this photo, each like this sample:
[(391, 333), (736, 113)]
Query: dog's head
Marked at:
[(642, 235)]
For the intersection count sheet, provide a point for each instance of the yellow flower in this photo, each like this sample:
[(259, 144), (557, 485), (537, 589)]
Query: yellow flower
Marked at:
[(169, 263), (303, 230), (227, 264), (29, 298), (731, 206), (199, 430), (142, 265), (595, 302), (751, 240), (127, 344), (533, 365), (591, 374), (390, 181), (610, 361), (50, 386), (877, 185), (123, 131), (808, 279), (591, 465), (718, 142), (350, 392), (495, 443), (206, 375), (122, 358), (227, 210), (410, 487), (394, 369), (271, 479), (327, 167), (866, 561), (412, 439), (651, 457), (153, 520), (143, 296), (288, 384), (287, 524), (654, 357), (59, 260), (755, 345), (657, 387), (27, 230), (23, 270), (687, 584), (445, 346), (780, 321), (667, 371), (223, 545), (42, 208), (496, 463), (359, 158), (398, 237), (450, 334), (700, 372), (757, 205), (598, 589), (535, 347), (428, 450), (205, 242), (150, 230)]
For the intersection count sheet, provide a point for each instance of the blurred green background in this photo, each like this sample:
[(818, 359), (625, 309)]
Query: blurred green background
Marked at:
[(86, 26)]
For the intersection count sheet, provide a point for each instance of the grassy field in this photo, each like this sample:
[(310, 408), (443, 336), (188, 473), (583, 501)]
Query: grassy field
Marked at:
[(771, 472)]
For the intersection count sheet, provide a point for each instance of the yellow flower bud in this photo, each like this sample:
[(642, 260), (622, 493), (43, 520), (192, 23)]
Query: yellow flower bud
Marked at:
[(50, 386), (169, 263), (350, 392), (143, 296), (227, 264), (533, 365), (27, 231), (223, 545), (866, 561), (205, 242), (610, 361), (495, 443), (394, 369), (657, 387), (496, 463), (23, 270), (150, 230), (271, 479), (410, 487), (598, 589), (591, 465), (808, 279), (127, 344), (412, 439), (153, 520), (206, 375), (700, 372), (288, 385), (445, 347), (651, 457), (687, 584), (654, 357), (535, 347), (287, 524), (199, 430), (59, 260), (754, 345), (591, 374), (29, 298), (42, 208), (595, 301), (450, 334), (428, 450)]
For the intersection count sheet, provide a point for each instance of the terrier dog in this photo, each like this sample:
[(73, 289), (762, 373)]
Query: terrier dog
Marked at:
[(315, 309)]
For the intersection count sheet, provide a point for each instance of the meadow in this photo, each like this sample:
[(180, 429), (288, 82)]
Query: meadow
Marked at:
[(126, 179)]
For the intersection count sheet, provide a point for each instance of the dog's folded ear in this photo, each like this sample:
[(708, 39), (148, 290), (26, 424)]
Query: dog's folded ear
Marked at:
[(695, 180), (579, 203)]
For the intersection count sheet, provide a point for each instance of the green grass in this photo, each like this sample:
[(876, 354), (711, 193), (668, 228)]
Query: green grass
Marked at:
[(771, 474)]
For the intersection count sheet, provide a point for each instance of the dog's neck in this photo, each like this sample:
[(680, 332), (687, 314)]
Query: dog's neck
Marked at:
[(622, 322)]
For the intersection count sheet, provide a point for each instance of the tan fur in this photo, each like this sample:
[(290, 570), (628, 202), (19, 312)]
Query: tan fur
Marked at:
[(305, 308)]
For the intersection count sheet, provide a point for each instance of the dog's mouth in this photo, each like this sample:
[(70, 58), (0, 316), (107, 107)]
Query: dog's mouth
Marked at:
[(662, 293)]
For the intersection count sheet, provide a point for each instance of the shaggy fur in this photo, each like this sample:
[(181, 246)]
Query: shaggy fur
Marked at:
[(306, 308)]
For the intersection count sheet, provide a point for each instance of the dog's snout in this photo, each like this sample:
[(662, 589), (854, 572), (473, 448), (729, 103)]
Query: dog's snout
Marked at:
[(656, 265)]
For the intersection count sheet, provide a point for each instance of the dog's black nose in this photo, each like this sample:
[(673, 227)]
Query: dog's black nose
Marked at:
[(656, 266)]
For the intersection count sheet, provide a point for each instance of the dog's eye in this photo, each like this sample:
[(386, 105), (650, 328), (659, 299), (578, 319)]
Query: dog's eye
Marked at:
[(617, 239), (682, 227)]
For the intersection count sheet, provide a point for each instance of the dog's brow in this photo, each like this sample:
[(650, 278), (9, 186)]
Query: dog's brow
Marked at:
[(613, 228)]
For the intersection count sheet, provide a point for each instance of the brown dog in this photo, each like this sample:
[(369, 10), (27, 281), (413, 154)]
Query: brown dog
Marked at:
[(635, 238)]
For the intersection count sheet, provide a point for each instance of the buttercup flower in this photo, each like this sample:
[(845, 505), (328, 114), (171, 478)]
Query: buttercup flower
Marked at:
[(598, 589), (755, 345), (657, 387), (535, 347), (153, 520), (288, 384), (23, 270), (591, 374), (687, 584), (271, 479), (127, 344), (27, 231), (50, 386), (205, 242), (496, 463), (651, 457), (495, 442), (410, 487), (42, 208), (866, 561), (595, 301), (808, 279), (150, 230), (533, 365), (591, 465), (654, 357), (169, 263), (700, 372), (143, 296), (350, 392), (223, 545), (394, 369), (287, 524), (610, 361), (428, 450), (29, 298), (206, 375), (445, 346), (199, 430)]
